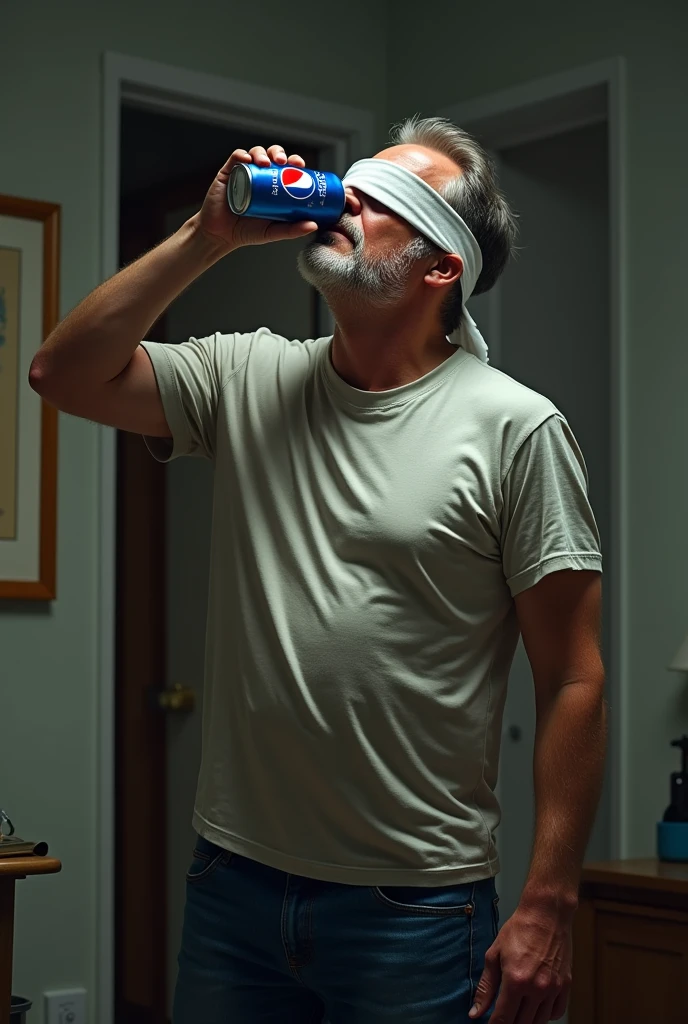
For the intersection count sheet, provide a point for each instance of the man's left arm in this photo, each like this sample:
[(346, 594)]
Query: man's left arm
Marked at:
[(531, 958)]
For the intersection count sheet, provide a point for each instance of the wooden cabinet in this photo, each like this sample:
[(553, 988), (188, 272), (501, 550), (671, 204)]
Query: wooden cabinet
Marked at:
[(12, 869), (630, 944)]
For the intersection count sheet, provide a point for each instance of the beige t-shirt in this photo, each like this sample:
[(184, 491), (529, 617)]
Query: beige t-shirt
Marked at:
[(365, 553)]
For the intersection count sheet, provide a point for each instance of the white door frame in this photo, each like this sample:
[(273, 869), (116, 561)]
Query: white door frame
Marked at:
[(345, 134), (538, 110)]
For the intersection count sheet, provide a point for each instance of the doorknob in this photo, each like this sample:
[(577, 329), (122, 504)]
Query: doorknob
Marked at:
[(179, 698)]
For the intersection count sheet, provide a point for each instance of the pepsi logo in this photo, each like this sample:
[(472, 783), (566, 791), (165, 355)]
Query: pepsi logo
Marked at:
[(297, 183)]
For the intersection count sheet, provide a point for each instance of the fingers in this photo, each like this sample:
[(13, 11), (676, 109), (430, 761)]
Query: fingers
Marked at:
[(560, 1004), (544, 1014), (519, 1005), (275, 155), (262, 158), (280, 231), (507, 1008), (238, 156), (488, 984), (278, 155)]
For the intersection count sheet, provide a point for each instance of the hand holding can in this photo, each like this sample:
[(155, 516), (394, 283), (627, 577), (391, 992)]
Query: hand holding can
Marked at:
[(217, 220)]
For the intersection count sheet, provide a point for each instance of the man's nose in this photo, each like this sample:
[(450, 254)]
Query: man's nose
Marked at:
[(353, 203)]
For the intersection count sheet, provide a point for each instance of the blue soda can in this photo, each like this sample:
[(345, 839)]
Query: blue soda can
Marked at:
[(284, 192)]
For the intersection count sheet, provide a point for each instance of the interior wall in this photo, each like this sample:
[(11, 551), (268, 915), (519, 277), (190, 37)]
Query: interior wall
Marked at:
[(50, 141), (480, 49)]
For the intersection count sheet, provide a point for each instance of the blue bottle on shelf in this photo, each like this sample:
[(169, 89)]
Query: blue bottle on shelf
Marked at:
[(672, 832)]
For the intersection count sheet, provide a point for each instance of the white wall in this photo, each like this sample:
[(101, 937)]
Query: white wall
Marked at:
[(477, 49), (50, 148)]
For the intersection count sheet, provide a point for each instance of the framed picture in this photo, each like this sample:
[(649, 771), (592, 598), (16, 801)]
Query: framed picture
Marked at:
[(29, 257)]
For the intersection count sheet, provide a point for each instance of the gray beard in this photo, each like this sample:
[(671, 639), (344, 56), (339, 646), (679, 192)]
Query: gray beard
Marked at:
[(353, 276)]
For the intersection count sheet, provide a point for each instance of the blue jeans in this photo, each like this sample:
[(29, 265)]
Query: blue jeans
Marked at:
[(261, 946)]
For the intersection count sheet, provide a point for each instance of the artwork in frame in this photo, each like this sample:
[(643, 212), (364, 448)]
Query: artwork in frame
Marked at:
[(29, 258)]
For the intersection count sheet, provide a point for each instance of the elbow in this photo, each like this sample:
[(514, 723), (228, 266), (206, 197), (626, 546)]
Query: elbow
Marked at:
[(42, 381), (39, 380), (44, 384)]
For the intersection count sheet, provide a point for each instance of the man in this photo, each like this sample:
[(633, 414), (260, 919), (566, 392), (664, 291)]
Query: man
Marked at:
[(389, 513)]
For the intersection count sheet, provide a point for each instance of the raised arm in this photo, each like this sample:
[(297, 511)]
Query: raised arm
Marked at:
[(92, 365)]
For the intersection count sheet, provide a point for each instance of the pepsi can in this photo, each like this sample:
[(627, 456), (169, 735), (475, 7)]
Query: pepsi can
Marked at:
[(285, 193)]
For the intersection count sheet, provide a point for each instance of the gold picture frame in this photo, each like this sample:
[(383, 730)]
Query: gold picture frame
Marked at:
[(29, 281)]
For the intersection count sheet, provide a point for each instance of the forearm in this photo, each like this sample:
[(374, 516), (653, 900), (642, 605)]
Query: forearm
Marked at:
[(97, 340), (568, 771)]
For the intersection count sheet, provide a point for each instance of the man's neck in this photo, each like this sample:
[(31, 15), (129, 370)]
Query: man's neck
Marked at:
[(377, 350)]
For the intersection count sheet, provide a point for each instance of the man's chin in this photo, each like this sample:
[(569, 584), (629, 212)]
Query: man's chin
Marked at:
[(315, 281), (328, 286)]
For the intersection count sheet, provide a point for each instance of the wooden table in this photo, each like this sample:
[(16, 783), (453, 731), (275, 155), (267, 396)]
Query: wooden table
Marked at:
[(12, 869), (630, 944)]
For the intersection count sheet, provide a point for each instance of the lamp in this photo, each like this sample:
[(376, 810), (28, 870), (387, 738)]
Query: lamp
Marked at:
[(680, 662)]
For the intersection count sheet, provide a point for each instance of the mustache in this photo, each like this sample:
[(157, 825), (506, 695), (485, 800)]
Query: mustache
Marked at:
[(347, 227)]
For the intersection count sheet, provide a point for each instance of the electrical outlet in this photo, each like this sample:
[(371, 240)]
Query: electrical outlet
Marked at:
[(68, 1007)]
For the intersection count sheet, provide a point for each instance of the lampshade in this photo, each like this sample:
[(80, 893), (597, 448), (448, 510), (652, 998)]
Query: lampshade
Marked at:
[(680, 662)]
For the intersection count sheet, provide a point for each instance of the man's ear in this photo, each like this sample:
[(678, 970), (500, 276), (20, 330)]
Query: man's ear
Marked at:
[(446, 271)]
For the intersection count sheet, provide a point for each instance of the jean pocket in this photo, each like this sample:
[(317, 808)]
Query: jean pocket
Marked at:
[(206, 858), (446, 900)]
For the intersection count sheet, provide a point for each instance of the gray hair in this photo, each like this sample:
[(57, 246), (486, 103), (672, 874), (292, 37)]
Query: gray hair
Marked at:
[(474, 195)]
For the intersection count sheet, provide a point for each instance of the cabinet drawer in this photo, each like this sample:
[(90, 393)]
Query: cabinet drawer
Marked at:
[(642, 968)]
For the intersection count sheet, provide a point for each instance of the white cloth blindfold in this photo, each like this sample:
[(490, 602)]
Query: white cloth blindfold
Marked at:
[(406, 194)]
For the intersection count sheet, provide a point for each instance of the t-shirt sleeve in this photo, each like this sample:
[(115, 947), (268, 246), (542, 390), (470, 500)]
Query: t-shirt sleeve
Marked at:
[(547, 520), (191, 377)]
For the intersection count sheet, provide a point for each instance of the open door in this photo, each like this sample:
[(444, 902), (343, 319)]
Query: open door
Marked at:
[(163, 518)]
